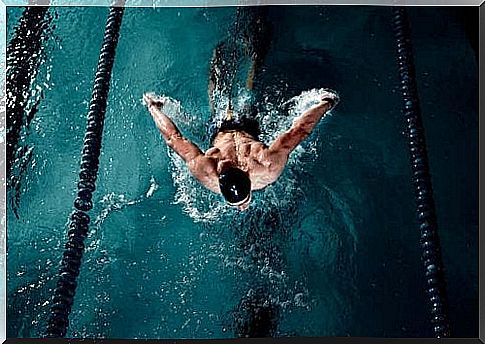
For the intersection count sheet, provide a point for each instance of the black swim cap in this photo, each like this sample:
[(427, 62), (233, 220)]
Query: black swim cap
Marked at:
[(235, 185)]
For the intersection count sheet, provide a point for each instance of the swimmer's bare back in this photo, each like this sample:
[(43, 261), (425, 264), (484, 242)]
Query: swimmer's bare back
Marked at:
[(264, 164)]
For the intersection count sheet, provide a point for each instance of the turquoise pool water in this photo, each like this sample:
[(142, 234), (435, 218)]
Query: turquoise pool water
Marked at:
[(333, 245)]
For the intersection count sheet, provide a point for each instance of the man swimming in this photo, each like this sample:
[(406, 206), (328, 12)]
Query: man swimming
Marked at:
[(238, 163)]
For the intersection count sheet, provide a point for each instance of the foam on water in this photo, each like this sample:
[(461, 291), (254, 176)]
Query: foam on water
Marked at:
[(114, 202)]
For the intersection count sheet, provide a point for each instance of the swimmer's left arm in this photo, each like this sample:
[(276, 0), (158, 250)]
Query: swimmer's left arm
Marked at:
[(302, 127)]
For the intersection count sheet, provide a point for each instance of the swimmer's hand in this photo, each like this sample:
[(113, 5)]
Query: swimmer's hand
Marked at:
[(151, 99), (329, 96)]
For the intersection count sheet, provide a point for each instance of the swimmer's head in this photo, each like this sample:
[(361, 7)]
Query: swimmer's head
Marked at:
[(235, 186)]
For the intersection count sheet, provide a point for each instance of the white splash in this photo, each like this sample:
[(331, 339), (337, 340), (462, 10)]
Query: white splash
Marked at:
[(114, 202), (202, 205)]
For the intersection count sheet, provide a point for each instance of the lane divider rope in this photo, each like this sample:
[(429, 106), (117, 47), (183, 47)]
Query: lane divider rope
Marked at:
[(62, 301), (425, 206)]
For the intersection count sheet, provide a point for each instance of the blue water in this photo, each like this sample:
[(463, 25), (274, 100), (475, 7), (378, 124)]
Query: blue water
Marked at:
[(333, 244)]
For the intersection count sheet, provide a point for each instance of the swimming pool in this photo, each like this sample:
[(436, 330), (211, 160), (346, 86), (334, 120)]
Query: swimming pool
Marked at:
[(333, 244)]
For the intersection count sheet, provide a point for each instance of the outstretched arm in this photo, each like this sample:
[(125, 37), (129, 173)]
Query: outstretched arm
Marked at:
[(172, 136), (303, 125), (203, 168)]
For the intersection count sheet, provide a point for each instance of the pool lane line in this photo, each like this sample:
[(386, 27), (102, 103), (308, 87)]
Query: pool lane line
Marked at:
[(63, 298), (425, 206)]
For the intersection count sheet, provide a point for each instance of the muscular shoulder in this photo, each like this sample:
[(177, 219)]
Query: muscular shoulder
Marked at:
[(268, 167), (203, 164), (271, 159), (204, 169), (213, 152)]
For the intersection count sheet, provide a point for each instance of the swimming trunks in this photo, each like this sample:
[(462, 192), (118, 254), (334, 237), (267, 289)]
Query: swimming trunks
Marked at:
[(245, 124)]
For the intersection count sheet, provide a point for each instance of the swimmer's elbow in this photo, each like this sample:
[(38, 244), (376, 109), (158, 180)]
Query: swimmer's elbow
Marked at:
[(304, 129), (172, 138), (290, 141)]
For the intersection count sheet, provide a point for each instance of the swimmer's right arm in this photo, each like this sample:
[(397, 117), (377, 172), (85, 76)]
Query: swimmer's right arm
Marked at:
[(303, 126), (187, 150), (200, 166)]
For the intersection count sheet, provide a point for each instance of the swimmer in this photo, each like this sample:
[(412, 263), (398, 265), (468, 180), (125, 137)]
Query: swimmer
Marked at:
[(237, 163)]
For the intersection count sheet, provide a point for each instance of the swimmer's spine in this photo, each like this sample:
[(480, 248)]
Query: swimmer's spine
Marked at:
[(425, 207), (79, 220), (23, 59)]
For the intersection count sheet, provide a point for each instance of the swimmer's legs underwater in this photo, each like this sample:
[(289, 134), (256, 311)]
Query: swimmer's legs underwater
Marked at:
[(249, 38), (219, 75), (255, 316)]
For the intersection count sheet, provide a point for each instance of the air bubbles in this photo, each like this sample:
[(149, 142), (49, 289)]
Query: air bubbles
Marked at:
[(113, 202)]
